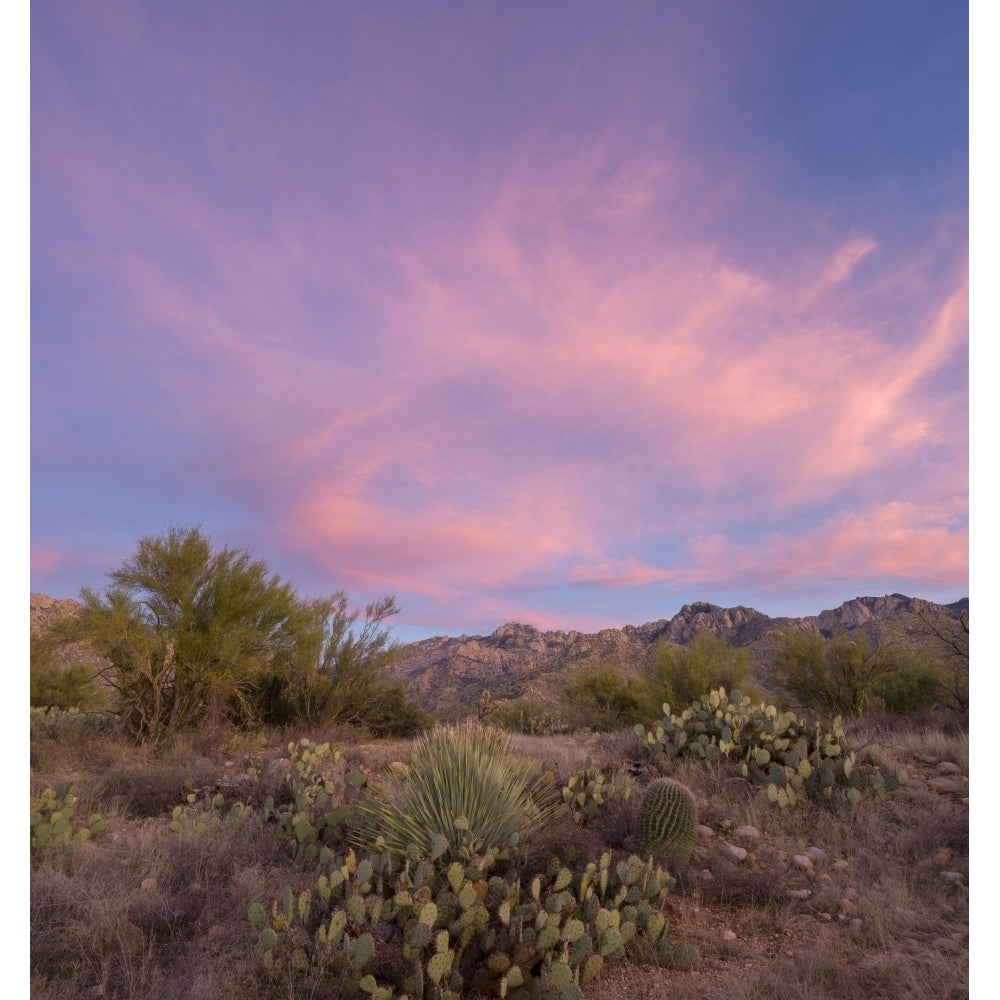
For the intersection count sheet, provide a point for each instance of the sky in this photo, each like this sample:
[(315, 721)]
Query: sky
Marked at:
[(561, 313)]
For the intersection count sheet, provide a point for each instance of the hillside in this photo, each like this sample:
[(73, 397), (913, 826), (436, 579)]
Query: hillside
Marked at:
[(446, 674), (518, 661)]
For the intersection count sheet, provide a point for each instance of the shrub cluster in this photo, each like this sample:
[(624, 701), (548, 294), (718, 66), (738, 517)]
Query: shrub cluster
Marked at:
[(793, 759), (188, 632), (429, 903)]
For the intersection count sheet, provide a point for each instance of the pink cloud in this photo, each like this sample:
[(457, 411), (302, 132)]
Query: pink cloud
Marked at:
[(629, 572), (46, 559), (898, 539), (563, 297)]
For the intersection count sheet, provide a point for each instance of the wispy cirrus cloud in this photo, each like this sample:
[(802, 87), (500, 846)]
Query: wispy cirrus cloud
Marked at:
[(579, 355)]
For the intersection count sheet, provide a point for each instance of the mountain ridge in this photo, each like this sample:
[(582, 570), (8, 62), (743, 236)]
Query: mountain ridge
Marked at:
[(446, 674)]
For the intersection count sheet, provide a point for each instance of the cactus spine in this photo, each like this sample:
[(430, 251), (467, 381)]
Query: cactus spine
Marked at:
[(668, 820)]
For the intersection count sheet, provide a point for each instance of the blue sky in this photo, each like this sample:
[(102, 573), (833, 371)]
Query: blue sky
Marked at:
[(567, 314)]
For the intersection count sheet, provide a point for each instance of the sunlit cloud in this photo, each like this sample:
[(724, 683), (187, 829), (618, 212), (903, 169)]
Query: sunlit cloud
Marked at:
[(45, 559), (478, 366)]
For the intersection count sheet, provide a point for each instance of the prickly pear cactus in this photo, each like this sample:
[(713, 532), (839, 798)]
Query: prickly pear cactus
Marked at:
[(668, 820)]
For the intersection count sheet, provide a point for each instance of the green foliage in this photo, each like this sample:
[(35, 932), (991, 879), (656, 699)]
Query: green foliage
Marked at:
[(526, 715), (463, 793), (602, 699), (679, 674), (56, 686), (834, 675), (191, 632), (392, 713), (793, 759), (948, 635), (338, 672), (668, 821), (55, 825), (462, 928), (910, 688), (186, 630)]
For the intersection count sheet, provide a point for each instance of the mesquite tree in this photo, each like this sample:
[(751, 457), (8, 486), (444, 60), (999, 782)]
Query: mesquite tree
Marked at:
[(187, 632)]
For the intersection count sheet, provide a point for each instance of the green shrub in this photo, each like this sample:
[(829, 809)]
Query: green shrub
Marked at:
[(834, 675), (679, 674), (602, 699), (910, 689), (526, 715), (191, 632), (462, 793), (392, 713), (55, 686)]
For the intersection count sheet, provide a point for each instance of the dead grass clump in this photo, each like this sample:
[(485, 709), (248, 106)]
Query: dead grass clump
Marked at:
[(564, 755), (124, 913), (149, 790)]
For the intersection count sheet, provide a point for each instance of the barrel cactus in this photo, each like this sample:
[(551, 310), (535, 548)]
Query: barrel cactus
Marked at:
[(668, 821)]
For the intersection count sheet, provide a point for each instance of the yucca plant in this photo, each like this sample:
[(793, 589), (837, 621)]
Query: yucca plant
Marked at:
[(463, 793)]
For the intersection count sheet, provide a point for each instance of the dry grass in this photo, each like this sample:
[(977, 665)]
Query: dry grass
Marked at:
[(142, 912)]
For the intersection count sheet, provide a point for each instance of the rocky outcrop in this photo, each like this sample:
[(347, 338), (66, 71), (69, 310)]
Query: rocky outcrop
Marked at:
[(519, 661), (46, 610)]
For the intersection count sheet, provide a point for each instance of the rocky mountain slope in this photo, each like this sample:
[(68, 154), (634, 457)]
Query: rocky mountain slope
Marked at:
[(519, 661), (447, 674)]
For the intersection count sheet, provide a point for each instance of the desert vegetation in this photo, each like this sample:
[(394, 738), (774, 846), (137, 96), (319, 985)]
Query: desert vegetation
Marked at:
[(225, 812)]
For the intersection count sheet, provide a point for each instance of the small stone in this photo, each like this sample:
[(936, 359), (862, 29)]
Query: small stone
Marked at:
[(825, 879), (750, 832), (951, 877), (946, 786), (147, 884), (841, 865), (942, 858), (827, 917), (847, 906), (736, 853), (217, 932), (817, 854), (947, 767), (802, 894), (705, 831), (856, 924), (802, 861), (728, 935), (947, 910)]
